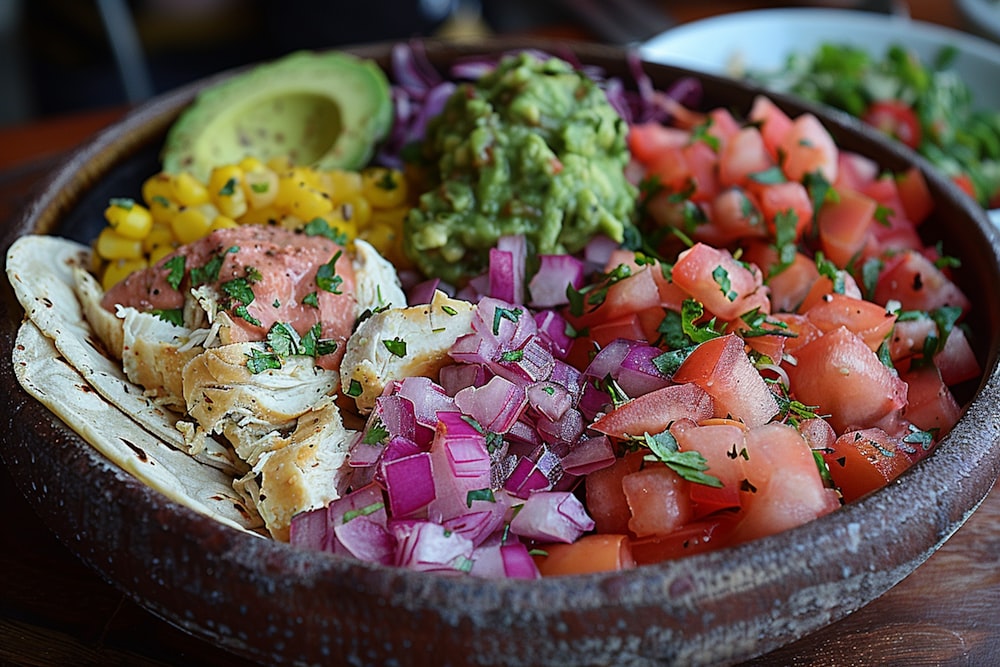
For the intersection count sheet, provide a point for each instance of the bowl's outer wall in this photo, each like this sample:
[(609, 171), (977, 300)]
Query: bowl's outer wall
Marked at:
[(270, 602)]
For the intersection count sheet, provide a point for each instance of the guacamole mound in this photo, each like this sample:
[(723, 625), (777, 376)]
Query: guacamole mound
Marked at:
[(531, 148)]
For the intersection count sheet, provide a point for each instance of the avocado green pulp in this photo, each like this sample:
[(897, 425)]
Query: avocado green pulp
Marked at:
[(531, 148)]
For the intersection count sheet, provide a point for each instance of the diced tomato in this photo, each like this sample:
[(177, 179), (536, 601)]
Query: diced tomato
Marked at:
[(909, 336), (823, 287), (658, 499), (774, 123), (841, 375), (703, 164), (721, 367), (801, 329), (895, 118), (957, 361), (628, 327), (863, 461), (808, 147), (914, 194), (670, 167), (736, 215), (930, 403), (653, 412), (868, 320), (783, 488), (789, 199), (917, 284), (743, 156), (788, 286), (707, 534), (590, 553), (647, 141), (624, 297), (725, 286), (855, 171), (722, 125), (845, 225), (605, 498), (723, 448), (817, 433)]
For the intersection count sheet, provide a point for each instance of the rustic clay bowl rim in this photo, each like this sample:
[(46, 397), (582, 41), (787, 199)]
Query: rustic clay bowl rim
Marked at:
[(274, 603)]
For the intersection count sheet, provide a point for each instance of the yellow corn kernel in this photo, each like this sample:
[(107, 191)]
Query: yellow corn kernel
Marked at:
[(160, 234), (112, 245), (309, 202), (279, 163), (341, 219), (188, 190), (260, 188), (225, 190), (157, 186), (393, 217), (383, 187), (163, 208), (354, 208), (342, 183), (380, 235), (250, 163), (159, 252), (191, 224), (222, 222), (129, 218), (120, 269), (266, 215)]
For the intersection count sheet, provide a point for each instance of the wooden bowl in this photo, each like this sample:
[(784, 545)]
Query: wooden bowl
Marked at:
[(274, 603)]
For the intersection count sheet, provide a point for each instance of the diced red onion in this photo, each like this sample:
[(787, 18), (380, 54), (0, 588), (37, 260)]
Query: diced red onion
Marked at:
[(638, 374), (501, 273), (409, 483), (429, 547), (364, 455), (593, 401), (455, 377), (482, 519), (537, 472), (422, 292), (524, 432), (474, 348), (588, 455), (397, 414), (551, 516), (597, 252), (366, 540), (552, 400), (517, 561), (533, 363), (568, 376), (308, 530), (476, 288), (552, 328), (609, 359), (496, 405), (561, 433), (555, 272), (517, 246), (428, 399), (512, 327)]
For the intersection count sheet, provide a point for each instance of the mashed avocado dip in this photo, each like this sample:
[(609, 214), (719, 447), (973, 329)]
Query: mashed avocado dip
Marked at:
[(531, 148)]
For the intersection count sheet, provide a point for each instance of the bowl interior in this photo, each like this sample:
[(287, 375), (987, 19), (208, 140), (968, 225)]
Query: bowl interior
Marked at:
[(274, 603)]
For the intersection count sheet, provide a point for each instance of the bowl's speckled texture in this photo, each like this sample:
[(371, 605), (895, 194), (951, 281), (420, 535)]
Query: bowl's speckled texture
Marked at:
[(279, 605)]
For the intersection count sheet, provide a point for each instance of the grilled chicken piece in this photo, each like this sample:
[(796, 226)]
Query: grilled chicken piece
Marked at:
[(402, 342), (376, 282), (301, 471)]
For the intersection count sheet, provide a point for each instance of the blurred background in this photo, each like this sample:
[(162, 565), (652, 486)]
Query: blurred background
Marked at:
[(62, 56)]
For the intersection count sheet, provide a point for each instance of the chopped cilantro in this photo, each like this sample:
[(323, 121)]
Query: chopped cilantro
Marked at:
[(354, 388), (311, 299), (320, 227), (175, 270), (259, 361), (770, 176), (228, 189), (376, 433), (396, 346), (479, 494), (122, 202), (173, 315), (326, 276), (500, 313), (721, 278), (512, 355), (209, 273), (363, 511), (690, 465)]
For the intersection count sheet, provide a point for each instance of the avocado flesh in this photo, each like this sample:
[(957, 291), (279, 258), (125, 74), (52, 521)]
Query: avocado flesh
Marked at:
[(325, 110)]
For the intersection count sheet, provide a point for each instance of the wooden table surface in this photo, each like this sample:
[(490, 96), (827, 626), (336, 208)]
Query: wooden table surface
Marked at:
[(56, 611)]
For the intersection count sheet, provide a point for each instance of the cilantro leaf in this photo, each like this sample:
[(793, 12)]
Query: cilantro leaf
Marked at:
[(690, 465)]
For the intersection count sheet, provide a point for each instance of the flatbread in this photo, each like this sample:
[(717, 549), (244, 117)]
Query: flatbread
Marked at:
[(41, 271), (45, 375)]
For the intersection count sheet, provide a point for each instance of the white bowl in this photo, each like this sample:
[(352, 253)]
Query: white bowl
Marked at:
[(731, 44)]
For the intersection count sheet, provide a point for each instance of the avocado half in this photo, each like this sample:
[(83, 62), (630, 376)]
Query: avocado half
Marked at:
[(322, 109)]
